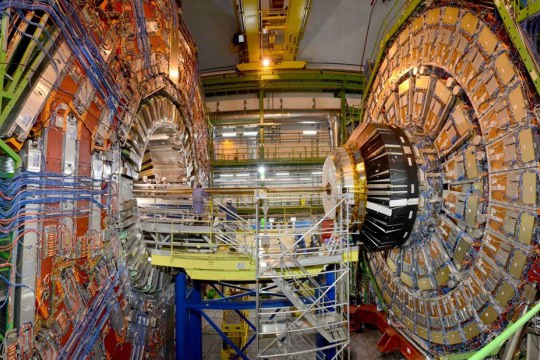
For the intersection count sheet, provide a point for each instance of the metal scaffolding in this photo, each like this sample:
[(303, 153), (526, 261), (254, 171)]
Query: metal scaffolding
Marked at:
[(282, 282), (315, 279)]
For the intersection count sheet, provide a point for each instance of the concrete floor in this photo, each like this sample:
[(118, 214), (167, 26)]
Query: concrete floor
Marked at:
[(363, 345)]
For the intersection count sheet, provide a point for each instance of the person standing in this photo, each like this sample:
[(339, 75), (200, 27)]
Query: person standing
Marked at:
[(198, 201), (231, 213)]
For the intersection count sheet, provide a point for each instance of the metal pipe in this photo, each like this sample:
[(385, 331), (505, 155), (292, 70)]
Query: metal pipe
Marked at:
[(499, 340), (514, 341), (287, 115), (333, 123)]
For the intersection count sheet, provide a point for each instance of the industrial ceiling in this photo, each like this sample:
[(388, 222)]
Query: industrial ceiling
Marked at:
[(338, 34)]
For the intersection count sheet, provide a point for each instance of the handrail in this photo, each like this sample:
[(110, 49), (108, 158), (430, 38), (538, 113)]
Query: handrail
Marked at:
[(296, 243), (237, 219), (217, 232), (272, 152), (505, 335)]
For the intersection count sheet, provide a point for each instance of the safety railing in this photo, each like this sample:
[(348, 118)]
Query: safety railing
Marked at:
[(186, 231), (272, 152), (177, 196), (285, 244), (282, 204), (168, 221)]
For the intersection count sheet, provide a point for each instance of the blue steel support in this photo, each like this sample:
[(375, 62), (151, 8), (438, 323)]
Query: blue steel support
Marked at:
[(190, 311), (238, 305), (328, 279), (194, 324), (238, 312), (181, 315)]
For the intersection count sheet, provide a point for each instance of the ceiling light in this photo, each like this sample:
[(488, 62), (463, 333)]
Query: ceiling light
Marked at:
[(242, 175), (282, 174), (226, 175), (229, 134), (250, 133), (309, 132), (308, 122), (266, 62), (316, 173)]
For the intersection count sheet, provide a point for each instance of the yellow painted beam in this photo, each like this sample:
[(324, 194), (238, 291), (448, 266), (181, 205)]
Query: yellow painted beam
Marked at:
[(275, 27), (282, 65), (251, 24), (274, 53), (210, 266), (273, 18), (296, 13), (228, 266)]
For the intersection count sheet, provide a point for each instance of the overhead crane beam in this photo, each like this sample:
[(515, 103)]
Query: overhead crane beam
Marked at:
[(281, 54), (252, 26), (294, 26)]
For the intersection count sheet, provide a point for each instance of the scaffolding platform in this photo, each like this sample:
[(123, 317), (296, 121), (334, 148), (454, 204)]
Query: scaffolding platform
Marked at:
[(290, 274)]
